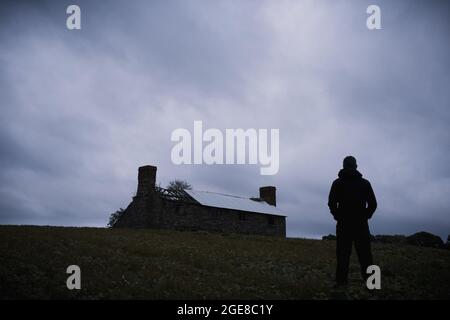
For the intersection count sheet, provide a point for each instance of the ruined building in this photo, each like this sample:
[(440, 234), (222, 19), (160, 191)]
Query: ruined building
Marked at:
[(159, 208)]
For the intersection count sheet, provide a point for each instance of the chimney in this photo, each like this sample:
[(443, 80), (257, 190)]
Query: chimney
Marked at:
[(146, 180), (269, 195)]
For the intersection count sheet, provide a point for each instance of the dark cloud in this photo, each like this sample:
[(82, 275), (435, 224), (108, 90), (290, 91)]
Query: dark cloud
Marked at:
[(81, 110)]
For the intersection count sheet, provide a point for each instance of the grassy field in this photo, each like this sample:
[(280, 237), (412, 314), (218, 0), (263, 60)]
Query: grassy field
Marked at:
[(157, 264)]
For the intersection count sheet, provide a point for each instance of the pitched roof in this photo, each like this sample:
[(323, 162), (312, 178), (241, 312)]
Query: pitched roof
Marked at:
[(219, 200)]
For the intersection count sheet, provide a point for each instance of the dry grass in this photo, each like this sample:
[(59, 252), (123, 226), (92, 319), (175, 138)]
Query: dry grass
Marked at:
[(159, 264)]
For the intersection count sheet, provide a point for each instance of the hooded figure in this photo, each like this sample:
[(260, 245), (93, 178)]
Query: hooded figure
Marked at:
[(352, 203)]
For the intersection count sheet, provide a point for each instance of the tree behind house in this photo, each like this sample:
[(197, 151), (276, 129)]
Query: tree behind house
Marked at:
[(178, 185)]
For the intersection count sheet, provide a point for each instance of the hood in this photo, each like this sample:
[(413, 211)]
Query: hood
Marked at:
[(348, 173)]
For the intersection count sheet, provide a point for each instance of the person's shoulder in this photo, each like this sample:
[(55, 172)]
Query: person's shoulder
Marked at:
[(365, 181), (337, 181)]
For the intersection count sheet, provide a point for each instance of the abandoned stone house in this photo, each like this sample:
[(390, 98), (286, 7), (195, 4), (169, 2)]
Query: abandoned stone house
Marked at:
[(155, 207)]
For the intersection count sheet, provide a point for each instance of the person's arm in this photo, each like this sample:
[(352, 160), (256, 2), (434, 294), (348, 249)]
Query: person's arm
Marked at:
[(371, 201), (333, 200)]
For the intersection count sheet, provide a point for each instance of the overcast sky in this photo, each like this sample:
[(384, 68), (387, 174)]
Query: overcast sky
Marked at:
[(81, 110)]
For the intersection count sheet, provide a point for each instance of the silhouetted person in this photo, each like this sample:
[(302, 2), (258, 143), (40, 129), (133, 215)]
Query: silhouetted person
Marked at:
[(352, 203)]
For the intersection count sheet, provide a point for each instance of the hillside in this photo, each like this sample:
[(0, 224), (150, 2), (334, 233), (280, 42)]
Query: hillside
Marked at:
[(156, 264)]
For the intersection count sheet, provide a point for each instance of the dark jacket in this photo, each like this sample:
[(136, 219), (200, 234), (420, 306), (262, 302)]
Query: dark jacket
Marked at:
[(351, 197)]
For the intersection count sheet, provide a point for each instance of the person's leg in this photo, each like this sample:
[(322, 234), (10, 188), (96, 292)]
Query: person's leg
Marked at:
[(343, 252), (363, 249)]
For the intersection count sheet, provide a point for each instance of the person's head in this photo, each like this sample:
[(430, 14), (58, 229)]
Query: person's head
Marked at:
[(349, 163)]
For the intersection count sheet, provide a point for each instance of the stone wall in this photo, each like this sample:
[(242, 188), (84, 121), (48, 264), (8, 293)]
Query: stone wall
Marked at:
[(152, 211)]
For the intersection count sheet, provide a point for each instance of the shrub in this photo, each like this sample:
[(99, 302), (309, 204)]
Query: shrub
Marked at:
[(114, 217), (425, 239)]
